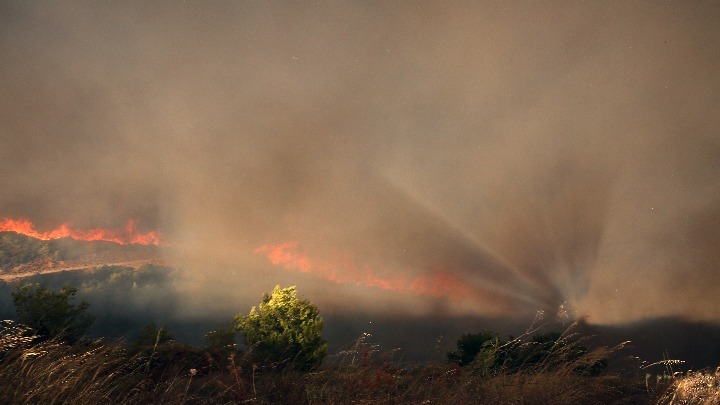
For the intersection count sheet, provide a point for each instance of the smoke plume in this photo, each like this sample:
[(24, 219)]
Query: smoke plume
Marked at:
[(536, 154)]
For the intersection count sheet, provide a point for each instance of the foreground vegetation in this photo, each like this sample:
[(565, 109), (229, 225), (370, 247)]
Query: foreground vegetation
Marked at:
[(170, 373), (162, 371)]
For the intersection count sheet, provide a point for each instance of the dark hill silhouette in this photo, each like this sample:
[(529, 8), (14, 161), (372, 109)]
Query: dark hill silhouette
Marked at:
[(696, 343)]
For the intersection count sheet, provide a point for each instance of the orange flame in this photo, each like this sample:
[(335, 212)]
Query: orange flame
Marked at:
[(343, 270), (128, 236)]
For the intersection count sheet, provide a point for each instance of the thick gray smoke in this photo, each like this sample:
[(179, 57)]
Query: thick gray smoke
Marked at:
[(537, 153)]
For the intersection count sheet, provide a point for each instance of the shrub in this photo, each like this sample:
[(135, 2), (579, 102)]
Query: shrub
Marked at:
[(470, 345), (284, 331), (486, 353), (51, 313)]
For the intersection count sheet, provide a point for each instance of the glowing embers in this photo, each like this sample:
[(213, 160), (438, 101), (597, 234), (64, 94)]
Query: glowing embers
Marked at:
[(344, 270), (125, 236)]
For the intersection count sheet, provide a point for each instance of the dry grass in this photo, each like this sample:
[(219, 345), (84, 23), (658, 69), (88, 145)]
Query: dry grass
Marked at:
[(87, 373), (102, 373), (698, 387)]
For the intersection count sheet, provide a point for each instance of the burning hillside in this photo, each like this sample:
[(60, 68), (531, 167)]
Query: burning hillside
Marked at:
[(24, 250), (344, 270), (128, 235)]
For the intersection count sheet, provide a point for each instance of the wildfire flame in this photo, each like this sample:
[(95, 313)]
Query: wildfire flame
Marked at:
[(343, 270), (128, 235)]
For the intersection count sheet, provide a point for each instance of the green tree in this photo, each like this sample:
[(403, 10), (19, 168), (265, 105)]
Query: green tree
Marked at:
[(284, 331), (51, 313)]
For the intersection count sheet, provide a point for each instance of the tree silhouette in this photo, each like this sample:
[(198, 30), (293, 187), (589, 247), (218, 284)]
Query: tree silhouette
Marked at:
[(51, 313)]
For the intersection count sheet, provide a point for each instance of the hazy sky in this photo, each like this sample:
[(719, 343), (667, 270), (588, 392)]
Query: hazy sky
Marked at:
[(526, 153)]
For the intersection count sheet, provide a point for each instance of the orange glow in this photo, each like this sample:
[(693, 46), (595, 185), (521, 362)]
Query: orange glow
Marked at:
[(343, 270), (127, 236)]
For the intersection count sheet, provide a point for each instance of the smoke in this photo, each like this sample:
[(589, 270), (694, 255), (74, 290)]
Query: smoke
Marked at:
[(540, 154)]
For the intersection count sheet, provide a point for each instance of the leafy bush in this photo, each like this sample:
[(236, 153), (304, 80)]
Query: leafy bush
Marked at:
[(284, 331), (486, 353), (52, 314), (470, 345)]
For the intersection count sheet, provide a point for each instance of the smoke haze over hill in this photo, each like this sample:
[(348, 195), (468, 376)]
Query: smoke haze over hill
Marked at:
[(535, 154)]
